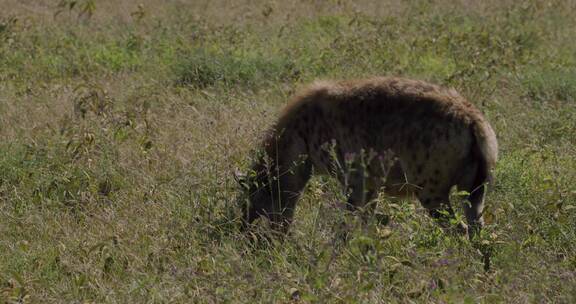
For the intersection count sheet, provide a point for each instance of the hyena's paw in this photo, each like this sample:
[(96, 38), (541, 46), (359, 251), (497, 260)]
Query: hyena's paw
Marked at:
[(459, 229)]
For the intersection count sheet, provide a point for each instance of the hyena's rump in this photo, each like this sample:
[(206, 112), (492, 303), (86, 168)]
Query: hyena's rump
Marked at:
[(402, 136)]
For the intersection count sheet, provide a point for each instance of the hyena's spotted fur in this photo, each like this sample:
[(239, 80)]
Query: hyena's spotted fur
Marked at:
[(436, 137)]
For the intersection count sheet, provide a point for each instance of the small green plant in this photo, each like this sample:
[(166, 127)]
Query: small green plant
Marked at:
[(83, 8), (91, 99), (7, 26), (553, 84), (202, 68)]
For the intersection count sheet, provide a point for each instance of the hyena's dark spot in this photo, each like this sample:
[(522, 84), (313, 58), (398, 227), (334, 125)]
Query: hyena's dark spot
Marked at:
[(303, 137), (426, 202), (419, 169), (316, 112), (410, 145), (426, 142), (439, 199)]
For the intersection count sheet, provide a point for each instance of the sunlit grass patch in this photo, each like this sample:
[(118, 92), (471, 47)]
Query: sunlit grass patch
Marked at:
[(203, 68)]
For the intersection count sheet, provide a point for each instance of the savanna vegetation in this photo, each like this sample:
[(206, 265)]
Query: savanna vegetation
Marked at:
[(121, 123)]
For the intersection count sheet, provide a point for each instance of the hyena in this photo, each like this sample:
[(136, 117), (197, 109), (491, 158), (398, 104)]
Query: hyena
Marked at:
[(434, 137)]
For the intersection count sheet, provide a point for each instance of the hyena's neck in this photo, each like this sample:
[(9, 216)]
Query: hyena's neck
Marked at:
[(282, 147), (284, 162)]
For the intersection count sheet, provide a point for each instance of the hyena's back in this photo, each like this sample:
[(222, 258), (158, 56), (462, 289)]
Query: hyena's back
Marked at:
[(437, 138)]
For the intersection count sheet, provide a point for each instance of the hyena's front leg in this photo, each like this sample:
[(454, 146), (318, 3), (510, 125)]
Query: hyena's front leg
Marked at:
[(278, 201), (284, 205)]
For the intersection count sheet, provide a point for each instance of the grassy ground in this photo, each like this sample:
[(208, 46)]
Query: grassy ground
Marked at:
[(121, 124)]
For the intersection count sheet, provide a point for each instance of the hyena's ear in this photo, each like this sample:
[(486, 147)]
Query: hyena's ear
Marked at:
[(240, 178)]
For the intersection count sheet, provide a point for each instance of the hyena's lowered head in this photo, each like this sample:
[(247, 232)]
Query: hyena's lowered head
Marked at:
[(403, 136)]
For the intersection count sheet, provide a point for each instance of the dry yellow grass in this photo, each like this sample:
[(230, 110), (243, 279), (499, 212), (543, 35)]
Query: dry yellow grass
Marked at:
[(119, 133)]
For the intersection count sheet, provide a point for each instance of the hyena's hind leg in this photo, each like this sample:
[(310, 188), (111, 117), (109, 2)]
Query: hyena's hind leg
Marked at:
[(437, 202), (474, 181), (473, 205)]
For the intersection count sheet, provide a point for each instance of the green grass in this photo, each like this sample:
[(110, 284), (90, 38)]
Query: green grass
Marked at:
[(120, 128)]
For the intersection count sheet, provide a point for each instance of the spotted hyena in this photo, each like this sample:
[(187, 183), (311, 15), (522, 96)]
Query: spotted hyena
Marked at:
[(406, 137)]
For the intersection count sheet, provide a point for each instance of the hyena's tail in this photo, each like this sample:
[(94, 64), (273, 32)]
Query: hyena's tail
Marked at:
[(485, 155), (486, 150)]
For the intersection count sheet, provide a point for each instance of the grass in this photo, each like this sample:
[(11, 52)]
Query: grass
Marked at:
[(121, 125)]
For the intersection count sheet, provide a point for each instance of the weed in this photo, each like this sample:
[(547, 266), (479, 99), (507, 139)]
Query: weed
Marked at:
[(120, 125)]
